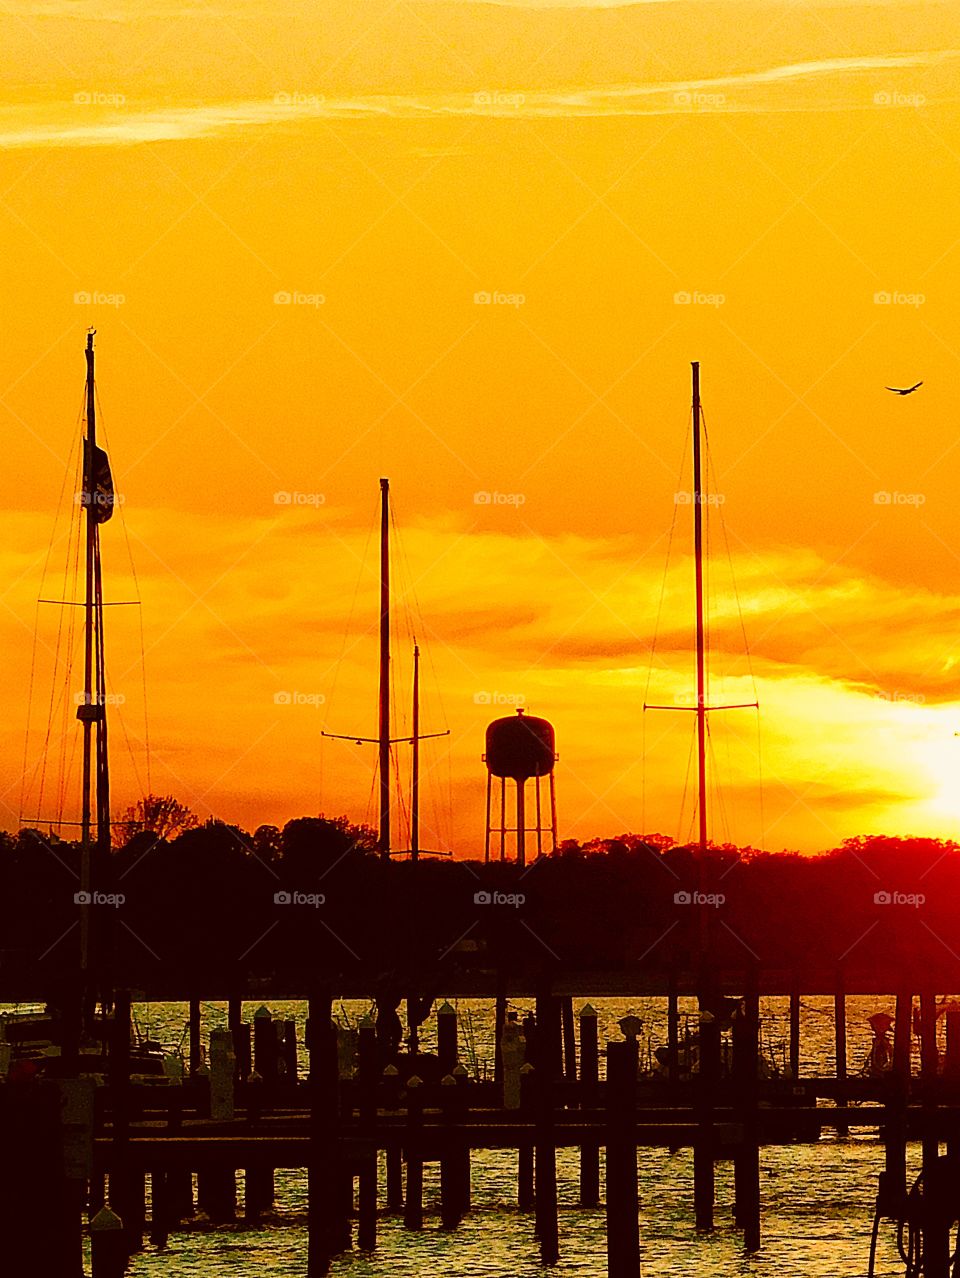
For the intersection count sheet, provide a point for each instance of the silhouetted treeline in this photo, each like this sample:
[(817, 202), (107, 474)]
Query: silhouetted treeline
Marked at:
[(217, 905)]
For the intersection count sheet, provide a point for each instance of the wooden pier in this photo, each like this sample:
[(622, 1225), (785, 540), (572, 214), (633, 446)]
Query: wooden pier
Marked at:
[(251, 1109)]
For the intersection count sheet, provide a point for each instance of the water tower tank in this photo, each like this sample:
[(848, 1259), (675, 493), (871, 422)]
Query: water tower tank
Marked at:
[(520, 747)]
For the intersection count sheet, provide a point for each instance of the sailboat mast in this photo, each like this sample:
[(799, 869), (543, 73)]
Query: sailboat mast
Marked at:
[(415, 775), (384, 724), (86, 712), (701, 656)]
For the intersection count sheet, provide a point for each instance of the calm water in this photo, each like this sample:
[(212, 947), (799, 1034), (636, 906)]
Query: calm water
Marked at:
[(818, 1200)]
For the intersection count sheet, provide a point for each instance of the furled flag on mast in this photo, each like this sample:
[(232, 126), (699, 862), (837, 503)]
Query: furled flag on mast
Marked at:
[(98, 483)]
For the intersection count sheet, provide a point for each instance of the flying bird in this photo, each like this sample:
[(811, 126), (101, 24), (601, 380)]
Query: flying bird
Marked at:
[(904, 390)]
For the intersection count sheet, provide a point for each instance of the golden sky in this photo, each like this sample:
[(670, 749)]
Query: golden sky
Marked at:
[(282, 217)]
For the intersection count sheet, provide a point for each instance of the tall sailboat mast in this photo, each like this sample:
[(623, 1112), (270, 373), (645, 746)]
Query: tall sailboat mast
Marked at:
[(383, 740), (384, 717), (97, 493), (86, 712), (702, 708), (701, 655), (415, 767)]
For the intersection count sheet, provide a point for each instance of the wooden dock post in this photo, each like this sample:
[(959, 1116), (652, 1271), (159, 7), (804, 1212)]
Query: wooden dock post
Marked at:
[(569, 1039), (673, 1030), (413, 1147), (589, 1080), (840, 1040), (127, 1191), (446, 1038), (464, 1176), (234, 1023), (746, 1061), (368, 1078), (195, 1056), (217, 1194), (795, 1027), (525, 1151), (623, 1232), (328, 1232), (108, 1248), (243, 1051), (449, 1169), (394, 1178), (929, 1062), (893, 1181), (265, 1048), (545, 1150), (290, 1054), (951, 1069), (499, 1020), (703, 1149)]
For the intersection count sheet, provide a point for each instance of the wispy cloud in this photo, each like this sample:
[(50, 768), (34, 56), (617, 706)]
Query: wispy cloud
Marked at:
[(82, 123)]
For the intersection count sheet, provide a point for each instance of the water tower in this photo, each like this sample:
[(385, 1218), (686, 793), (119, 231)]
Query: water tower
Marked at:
[(519, 749)]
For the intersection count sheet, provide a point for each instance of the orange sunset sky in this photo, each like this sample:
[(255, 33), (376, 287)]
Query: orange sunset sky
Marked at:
[(278, 217)]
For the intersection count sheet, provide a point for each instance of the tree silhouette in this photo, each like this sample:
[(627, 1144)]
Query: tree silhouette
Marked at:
[(159, 814)]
